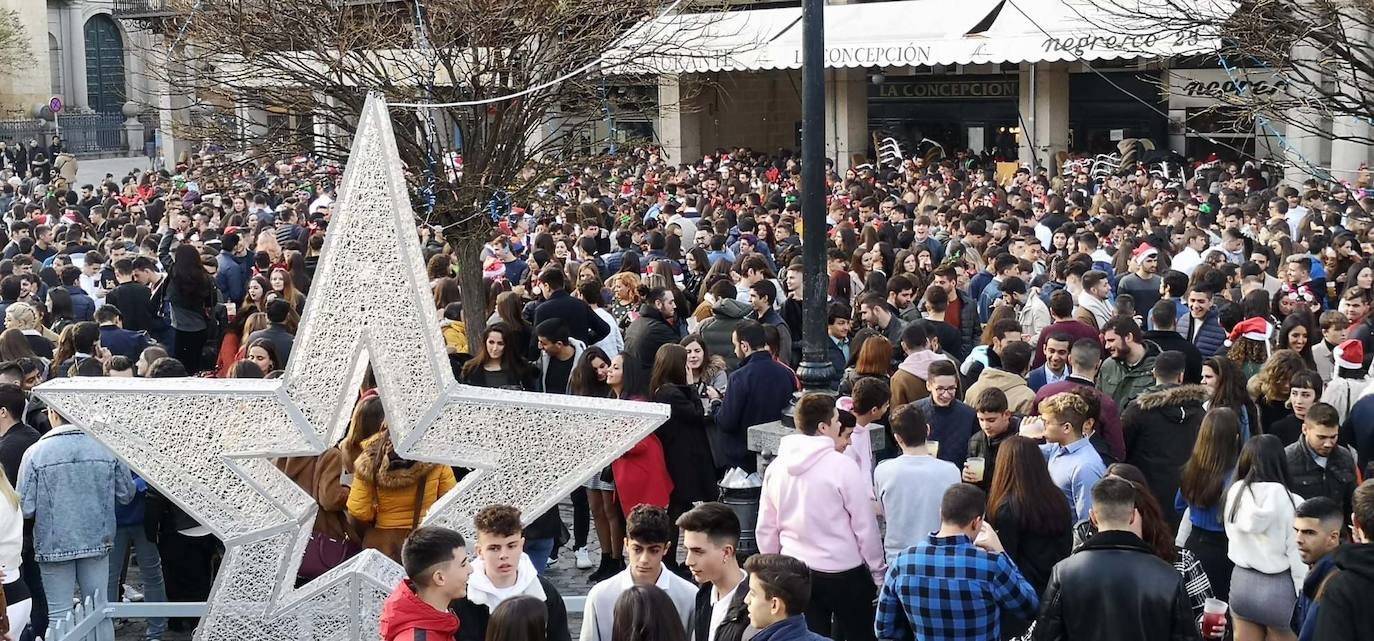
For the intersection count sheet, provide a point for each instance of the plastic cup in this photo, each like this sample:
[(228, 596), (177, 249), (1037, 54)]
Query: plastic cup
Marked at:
[(1214, 617), (1033, 428), (974, 465), (933, 447)]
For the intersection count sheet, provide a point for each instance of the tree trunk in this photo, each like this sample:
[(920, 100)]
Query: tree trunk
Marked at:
[(468, 251)]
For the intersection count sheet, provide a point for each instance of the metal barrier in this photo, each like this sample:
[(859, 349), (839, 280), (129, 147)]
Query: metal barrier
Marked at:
[(93, 133), (83, 622), (16, 131)]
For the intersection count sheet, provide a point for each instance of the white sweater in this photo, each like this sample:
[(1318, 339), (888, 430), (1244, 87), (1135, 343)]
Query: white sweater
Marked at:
[(1261, 535), (11, 539)]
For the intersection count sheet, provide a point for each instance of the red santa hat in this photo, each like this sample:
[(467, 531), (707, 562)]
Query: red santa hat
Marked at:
[(1255, 329), (1145, 250), (1349, 354)]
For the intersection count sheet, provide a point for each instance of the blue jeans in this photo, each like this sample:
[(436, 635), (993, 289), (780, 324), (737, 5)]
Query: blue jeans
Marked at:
[(149, 566), (539, 551), (60, 581)]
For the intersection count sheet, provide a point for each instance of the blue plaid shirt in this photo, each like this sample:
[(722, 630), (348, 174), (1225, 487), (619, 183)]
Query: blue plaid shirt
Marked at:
[(949, 590)]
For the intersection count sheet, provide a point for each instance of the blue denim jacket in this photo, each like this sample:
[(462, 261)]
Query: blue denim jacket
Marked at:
[(69, 484)]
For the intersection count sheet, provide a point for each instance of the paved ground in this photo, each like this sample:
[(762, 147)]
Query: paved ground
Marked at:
[(570, 581), (92, 171)]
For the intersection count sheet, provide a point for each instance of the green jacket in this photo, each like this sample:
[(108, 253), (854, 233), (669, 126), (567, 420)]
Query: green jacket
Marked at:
[(1124, 382)]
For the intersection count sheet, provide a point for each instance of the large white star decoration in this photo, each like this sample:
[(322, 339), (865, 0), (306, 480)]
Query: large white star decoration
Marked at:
[(206, 444)]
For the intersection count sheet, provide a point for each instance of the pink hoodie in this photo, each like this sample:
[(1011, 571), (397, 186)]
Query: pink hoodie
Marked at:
[(817, 507)]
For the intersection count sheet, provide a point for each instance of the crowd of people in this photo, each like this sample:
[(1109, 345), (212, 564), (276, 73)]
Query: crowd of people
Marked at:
[(1060, 407)]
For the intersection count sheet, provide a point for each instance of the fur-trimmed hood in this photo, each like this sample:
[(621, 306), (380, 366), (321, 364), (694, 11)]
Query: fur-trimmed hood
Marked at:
[(395, 472), (1180, 397)]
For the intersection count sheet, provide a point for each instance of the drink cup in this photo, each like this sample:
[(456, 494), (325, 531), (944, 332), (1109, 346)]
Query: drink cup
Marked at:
[(933, 447), (974, 464), (1033, 428), (1213, 617)]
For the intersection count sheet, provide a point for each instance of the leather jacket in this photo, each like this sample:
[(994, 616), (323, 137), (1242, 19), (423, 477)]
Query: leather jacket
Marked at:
[(735, 626), (1114, 587)]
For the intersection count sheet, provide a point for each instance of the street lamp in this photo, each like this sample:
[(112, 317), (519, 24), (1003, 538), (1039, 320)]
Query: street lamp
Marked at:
[(815, 370)]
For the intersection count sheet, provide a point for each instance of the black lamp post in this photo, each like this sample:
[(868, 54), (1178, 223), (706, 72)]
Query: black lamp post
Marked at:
[(815, 370)]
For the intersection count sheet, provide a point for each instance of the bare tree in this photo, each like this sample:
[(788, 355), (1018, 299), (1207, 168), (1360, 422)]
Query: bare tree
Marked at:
[(519, 84), (14, 41), (1316, 56)]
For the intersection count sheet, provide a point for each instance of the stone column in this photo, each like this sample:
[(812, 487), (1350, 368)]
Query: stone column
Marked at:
[(133, 129), (74, 47), (1045, 131), (173, 102), (1350, 135), (679, 126), (846, 117), (1304, 149)]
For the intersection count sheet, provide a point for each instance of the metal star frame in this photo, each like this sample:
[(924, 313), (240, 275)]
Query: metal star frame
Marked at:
[(207, 443)]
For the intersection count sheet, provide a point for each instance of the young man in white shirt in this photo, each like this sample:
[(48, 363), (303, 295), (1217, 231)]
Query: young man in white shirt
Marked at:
[(648, 538), (502, 570), (710, 532)]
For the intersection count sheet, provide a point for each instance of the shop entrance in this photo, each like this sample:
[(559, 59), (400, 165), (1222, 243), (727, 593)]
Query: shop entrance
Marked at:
[(948, 112)]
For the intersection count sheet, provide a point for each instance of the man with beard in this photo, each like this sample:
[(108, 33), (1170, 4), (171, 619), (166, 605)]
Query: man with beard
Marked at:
[(1130, 370)]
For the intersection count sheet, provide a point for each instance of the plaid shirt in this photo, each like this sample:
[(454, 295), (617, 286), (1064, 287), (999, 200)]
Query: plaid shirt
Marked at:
[(947, 589)]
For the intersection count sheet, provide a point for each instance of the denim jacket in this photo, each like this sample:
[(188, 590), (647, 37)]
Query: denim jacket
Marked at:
[(69, 484)]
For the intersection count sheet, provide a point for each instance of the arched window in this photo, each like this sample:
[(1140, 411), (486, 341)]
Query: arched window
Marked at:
[(104, 65)]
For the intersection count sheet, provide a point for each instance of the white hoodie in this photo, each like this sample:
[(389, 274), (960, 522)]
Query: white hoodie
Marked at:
[(483, 592), (1261, 535)]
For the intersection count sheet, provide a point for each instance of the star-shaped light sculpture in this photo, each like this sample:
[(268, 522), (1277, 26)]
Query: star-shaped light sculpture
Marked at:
[(207, 443)]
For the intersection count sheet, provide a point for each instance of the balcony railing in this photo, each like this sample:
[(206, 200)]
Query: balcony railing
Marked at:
[(147, 9)]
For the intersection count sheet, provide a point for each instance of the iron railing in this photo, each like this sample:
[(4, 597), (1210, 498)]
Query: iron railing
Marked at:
[(24, 130), (93, 133), (142, 9)]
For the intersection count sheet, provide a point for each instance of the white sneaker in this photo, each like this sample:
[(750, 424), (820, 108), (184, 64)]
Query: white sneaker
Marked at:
[(584, 560), (132, 594)]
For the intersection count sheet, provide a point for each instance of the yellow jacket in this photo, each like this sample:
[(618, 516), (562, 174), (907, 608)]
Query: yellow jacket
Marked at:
[(384, 496), (455, 336)]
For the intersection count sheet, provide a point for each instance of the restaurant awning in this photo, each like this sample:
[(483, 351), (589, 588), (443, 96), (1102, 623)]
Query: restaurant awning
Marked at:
[(912, 33)]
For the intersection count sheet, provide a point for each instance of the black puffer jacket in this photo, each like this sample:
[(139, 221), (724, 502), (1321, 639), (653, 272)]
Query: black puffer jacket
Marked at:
[(1115, 588), (1160, 428), (1336, 481)]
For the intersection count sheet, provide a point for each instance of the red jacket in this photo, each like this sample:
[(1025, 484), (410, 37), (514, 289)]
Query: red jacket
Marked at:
[(641, 476), (406, 618)]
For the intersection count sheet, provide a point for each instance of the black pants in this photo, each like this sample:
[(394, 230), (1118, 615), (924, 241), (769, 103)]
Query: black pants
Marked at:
[(842, 604), (189, 564), (582, 518), (28, 570), (1210, 549), (188, 349)]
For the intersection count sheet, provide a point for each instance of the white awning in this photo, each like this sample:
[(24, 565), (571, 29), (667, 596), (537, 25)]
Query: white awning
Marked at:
[(913, 32)]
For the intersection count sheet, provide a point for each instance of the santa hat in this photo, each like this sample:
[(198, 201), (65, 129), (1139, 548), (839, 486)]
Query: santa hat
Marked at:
[(1349, 354), (1255, 329), (1145, 250)]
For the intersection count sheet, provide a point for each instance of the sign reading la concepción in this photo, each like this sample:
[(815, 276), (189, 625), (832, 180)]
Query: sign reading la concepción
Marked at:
[(946, 88)]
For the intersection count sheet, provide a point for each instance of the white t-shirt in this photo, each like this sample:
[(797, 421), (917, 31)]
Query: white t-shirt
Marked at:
[(720, 605)]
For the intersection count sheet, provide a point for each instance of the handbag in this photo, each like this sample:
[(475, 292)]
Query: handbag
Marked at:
[(323, 553)]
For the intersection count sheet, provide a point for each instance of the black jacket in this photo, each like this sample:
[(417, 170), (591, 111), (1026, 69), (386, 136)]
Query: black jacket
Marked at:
[(134, 302), (582, 321), (1336, 481), (648, 333), (1170, 340), (1115, 588), (473, 618), (686, 448), (980, 445), (1160, 427), (735, 626), (1345, 614)]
